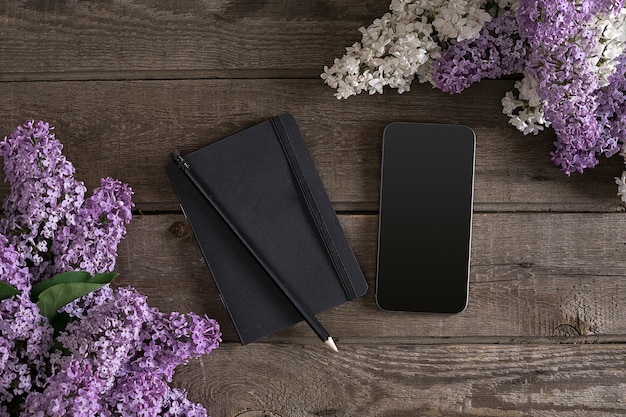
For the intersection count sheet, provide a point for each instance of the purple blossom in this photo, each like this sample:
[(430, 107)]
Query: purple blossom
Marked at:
[(147, 394), (73, 391), (176, 404), (498, 51), (109, 333), (612, 105), (117, 354), (128, 341), (26, 339), (171, 339), (552, 43), (557, 21), (566, 81), (43, 193), (89, 242), (48, 220), (552, 22), (11, 271), (547, 41), (138, 394), (121, 355)]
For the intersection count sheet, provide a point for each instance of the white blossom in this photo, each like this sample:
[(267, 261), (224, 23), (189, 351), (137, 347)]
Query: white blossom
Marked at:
[(611, 44), (621, 186), (525, 111), (460, 19), (401, 45)]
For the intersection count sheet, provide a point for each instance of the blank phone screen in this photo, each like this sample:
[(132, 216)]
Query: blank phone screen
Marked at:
[(427, 183)]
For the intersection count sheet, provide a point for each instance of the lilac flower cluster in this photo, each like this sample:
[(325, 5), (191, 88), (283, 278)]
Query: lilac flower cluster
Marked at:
[(53, 228), (26, 341), (117, 354), (612, 107), (552, 43), (399, 47), (121, 356), (498, 51), (11, 270), (567, 51)]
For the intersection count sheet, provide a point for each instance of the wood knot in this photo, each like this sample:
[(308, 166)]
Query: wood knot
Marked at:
[(257, 413), (329, 412), (566, 330), (180, 230)]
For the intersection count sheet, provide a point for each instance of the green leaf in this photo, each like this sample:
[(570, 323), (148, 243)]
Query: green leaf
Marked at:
[(55, 297), (7, 290), (59, 322), (69, 277)]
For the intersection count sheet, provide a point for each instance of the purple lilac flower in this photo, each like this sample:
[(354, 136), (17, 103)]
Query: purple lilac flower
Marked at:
[(498, 51), (48, 220), (612, 104), (122, 354), (557, 21), (10, 369), (552, 22), (171, 339), (554, 50), (26, 339), (118, 353), (147, 394), (565, 80), (134, 348), (176, 404), (11, 271), (138, 394), (89, 242), (43, 193), (109, 333), (74, 391)]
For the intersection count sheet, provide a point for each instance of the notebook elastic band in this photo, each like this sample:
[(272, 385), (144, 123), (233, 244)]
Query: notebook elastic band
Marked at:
[(307, 194)]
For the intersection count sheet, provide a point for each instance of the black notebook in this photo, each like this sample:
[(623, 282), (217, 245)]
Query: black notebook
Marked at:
[(265, 180)]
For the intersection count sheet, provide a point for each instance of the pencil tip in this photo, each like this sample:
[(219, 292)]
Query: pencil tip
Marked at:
[(331, 344)]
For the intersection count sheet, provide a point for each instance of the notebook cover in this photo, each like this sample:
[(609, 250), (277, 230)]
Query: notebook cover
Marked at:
[(250, 177)]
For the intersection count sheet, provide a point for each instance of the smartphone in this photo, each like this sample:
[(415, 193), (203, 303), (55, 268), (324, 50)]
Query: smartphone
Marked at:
[(425, 217)]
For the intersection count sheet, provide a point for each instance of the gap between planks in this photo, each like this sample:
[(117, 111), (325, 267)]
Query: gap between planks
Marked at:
[(371, 208), (166, 75), (447, 341)]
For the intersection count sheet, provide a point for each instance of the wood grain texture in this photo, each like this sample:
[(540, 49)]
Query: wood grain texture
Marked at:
[(96, 37), (410, 380), (532, 276), (126, 129), (126, 82)]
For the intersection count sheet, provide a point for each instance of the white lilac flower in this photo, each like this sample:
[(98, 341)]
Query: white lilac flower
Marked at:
[(621, 186), (401, 45), (459, 20), (611, 43), (568, 51), (526, 110)]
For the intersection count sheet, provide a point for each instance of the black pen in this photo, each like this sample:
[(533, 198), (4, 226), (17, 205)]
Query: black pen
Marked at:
[(308, 316)]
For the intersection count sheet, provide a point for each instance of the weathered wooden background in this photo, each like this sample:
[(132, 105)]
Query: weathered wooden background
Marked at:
[(124, 82)]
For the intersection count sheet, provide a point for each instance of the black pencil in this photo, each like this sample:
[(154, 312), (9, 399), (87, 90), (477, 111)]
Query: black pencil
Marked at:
[(308, 316)]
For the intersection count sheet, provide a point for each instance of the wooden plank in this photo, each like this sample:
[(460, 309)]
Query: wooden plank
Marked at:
[(378, 380), (533, 275), (127, 129), (64, 38), (125, 82)]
